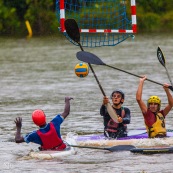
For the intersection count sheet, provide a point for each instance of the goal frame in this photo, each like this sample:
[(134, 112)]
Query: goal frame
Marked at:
[(82, 30)]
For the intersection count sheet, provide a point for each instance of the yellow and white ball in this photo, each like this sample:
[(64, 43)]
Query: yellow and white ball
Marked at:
[(81, 70)]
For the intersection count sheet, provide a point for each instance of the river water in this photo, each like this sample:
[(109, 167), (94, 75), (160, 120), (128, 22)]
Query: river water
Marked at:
[(39, 73)]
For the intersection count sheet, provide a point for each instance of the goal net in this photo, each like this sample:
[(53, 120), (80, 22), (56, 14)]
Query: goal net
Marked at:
[(101, 22)]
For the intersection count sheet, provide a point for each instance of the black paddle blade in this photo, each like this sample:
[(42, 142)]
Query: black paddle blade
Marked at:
[(111, 149), (89, 58), (160, 56), (121, 148), (72, 30), (152, 150)]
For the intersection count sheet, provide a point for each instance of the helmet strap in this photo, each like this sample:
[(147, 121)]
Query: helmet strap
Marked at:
[(119, 103), (116, 105)]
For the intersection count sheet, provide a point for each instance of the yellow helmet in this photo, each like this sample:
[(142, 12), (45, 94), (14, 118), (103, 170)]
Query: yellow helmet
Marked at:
[(154, 99)]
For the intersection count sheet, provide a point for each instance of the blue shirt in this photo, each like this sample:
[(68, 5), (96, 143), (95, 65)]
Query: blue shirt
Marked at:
[(33, 136)]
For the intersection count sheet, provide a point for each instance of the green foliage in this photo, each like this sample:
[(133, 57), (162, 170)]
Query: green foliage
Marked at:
[(166, 23), (41, 16), (149, 23), (152, 16), (19, 5), (9, 22), (155, 6)]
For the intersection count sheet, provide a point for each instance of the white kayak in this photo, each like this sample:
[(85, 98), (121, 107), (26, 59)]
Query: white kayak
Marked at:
[(50, 154), (135, 137)]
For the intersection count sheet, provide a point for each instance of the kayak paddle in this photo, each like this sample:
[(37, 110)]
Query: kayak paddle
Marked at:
[(157, 150), (162, 61), (72, 30), (111, 149), (93, 59)]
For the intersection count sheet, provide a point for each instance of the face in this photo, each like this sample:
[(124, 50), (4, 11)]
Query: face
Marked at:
[(153, 107), (117, 98)]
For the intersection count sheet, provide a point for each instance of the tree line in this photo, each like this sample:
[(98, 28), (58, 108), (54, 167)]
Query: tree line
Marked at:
[(152, 16)]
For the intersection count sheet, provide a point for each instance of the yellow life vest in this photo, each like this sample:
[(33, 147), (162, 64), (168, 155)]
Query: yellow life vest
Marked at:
[(158, 128)]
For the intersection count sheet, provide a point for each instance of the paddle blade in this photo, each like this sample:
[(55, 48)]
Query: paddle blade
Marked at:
[(121, 148), (72, 29), (112, 112), (160, 56), (89, 58), (152, 150)]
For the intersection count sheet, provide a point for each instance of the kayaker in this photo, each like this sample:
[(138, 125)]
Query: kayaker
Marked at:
[(111, 128), (48, 136), (154, 118)]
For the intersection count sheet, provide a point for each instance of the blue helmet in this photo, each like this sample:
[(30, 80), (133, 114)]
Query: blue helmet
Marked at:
[(118, 91)]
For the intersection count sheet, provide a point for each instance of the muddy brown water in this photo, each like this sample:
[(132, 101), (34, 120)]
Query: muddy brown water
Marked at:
[(39, 73)]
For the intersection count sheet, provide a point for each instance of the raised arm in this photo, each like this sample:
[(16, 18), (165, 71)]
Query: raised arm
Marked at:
[(170, 99), (141, 103), (18, 137), (67, 107)]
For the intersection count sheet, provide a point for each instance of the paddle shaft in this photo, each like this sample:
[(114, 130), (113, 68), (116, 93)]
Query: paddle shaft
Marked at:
[(111, 149), (72, 30), (168, 76), (133, 74), (111, 111), (78, 146), (93, 73), (93, 59)]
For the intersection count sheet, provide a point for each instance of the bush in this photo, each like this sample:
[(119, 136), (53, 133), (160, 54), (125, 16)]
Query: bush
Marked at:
[(9, 22), (167, 22), (42, 17), (149, 22)]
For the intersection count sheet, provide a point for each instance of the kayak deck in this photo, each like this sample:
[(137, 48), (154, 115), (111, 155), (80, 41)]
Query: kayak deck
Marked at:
[(133, 134), (138, 138), (50, 154)]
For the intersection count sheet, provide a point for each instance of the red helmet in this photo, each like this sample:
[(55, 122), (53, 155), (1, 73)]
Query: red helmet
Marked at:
[(39, 117)]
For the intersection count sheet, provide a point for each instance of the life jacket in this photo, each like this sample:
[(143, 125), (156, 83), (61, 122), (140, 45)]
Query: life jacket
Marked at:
[(51, 140), (113, 127), (158, 128)]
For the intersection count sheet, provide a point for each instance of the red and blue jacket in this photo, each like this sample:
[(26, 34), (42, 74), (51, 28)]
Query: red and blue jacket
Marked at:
[(50, 139), (48, 129)]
